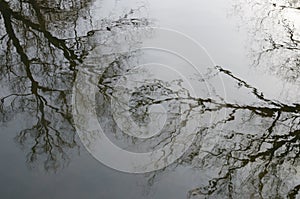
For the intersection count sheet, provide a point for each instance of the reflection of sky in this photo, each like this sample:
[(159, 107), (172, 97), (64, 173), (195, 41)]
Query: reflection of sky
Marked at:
[(205, 21)]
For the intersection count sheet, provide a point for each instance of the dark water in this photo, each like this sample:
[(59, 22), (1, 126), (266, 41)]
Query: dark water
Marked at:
[(224, 73)]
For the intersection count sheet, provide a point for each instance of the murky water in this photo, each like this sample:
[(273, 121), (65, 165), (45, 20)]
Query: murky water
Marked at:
[(201, 98)]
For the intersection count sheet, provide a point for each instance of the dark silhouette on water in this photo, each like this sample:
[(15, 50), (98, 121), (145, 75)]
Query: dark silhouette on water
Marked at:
[(40, 64)]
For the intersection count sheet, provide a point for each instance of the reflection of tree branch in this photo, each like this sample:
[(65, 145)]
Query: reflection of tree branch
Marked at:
[(42, 86), (234, 154), (294, 192), (276, 36), (236, 151), (239, 151), (59, 43), (46, 133)]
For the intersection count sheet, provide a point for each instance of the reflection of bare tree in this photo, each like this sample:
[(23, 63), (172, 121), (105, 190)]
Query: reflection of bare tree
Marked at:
[(252, 152), (257, 154), (275, 37), (247, 153), (39, 61), (34, 72), (257, 149)]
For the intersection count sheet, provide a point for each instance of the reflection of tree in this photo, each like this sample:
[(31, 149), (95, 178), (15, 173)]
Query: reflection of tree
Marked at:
[(275, 37), (258, 157), (257, 150), (35, 74), (39, 61), (252, 152), (253, 149)]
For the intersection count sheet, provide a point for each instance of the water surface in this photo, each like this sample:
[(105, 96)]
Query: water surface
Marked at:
[(243, 108)]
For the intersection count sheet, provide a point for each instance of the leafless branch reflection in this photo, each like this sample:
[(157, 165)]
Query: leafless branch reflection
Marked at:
[(274, 35), (251, 152), (40, 50)]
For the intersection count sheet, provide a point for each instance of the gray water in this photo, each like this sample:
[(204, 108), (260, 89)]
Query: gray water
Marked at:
[(240, 100)]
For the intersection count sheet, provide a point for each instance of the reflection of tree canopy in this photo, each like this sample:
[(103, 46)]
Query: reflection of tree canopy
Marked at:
[(257, 154), (40, 48), (251, 152), (275, 37)]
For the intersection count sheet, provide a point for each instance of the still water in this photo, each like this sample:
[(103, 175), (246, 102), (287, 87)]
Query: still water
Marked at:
[(217, 82)]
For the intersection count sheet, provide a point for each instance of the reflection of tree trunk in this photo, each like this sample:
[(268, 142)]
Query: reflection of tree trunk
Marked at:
[(59, 43), (49, 139), (16, 42)]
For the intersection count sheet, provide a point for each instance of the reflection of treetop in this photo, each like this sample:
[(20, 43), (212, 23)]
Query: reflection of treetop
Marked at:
[(274, 28)]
